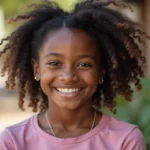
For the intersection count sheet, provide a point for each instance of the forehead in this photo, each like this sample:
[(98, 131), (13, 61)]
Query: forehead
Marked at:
[(73, 41)]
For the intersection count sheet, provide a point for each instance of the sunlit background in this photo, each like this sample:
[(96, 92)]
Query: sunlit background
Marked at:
[(136, 112)]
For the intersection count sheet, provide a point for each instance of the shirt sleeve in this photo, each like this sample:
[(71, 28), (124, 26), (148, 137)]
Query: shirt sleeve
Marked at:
[(6, 142), (134, 141)]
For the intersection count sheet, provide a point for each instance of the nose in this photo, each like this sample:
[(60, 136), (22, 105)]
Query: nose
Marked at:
[(68, 75)]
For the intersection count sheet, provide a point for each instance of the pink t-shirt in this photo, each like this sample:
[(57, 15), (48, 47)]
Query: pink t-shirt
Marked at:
[(109, 134)]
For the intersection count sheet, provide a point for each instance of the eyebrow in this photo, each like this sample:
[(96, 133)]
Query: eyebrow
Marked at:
[(53, 54), (87, 56), (81, 56)]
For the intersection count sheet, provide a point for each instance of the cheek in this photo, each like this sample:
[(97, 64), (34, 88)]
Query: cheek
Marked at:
[(46, 73), (91, 78), (46, 77)]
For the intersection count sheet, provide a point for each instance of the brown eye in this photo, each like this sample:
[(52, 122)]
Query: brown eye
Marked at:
[(85, 65), (54, 63)]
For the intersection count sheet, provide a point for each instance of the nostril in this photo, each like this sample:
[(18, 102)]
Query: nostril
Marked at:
[(69, 77)]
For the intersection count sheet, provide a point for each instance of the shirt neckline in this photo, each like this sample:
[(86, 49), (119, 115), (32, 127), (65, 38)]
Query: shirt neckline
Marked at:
[(103, 121)]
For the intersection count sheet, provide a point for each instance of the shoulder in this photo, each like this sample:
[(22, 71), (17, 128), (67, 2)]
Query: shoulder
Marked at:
[(127, 134), (115, 125), (13, 133), (24, 125), (135, 140)]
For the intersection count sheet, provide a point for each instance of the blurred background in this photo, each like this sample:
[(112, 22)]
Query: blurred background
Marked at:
[(136, 112)]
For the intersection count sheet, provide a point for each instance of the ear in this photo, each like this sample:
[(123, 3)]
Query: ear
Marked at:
[(101, 76), (36, 69)]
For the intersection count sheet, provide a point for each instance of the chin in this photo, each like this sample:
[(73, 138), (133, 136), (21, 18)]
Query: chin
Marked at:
[(70, 107)]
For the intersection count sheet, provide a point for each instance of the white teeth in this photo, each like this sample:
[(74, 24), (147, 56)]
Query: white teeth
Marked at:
[(68, 90)]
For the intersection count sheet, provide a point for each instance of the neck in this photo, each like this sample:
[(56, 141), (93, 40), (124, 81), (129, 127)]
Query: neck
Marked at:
[(65, 118)]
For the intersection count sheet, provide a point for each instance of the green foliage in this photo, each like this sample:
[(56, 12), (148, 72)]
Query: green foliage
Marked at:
[(138, 111), (66, 4), (16, 6), (11, 7)]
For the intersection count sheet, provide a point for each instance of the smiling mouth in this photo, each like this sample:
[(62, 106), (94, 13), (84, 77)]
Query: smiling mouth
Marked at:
[(68, 90), (68, 93)]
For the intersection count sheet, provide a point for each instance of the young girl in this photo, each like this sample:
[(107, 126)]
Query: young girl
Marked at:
[(68, 62)]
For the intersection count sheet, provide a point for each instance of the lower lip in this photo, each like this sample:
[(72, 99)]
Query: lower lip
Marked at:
[(68, 95)]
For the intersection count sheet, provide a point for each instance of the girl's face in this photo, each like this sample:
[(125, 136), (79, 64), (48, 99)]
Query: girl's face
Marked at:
[(68, 68)]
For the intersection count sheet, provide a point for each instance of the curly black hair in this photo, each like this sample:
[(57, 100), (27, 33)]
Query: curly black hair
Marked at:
[(117, 38)]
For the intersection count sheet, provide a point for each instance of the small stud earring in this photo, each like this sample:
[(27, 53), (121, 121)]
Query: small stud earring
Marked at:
[(101, 82), (35, 78)]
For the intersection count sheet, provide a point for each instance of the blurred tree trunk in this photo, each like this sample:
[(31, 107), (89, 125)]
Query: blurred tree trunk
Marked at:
[(146, 16)]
